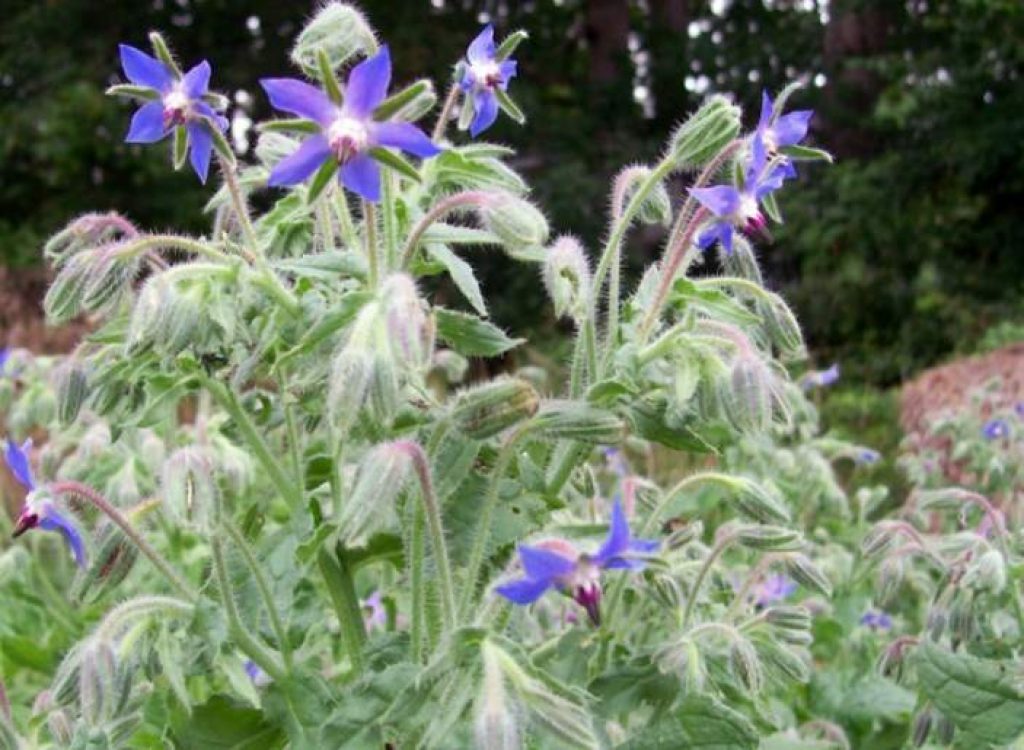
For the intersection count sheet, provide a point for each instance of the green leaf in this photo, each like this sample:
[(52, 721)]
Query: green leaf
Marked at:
[(469, 335), (220, 143), (345, 310), (222, 724), (782, 742), (699, 722), (715, 301), (980, 696), (321, 179), (234, 669), (324, 266), (771, 207), (461, 273), (396, 162), (172, 663)]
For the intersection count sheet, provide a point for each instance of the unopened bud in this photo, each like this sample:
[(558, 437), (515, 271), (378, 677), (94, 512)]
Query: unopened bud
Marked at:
[(519, 224), (574, 421), (784, 329), (922, 727), (452, 364), (961, 620), (64, 689), (789, 617), (987, 572), (71, 386), (746, 665), (776, 538), (351, 375), (567, 277), (339, 31), (705, 133), (877, 541), (742, 261), (944, 731), (410, 331), (486, 410), (749, 399), (495, 725), (63, 299), (98, 685), (189, 489), (786, 661), (891, 574), (146, 316), (61, 727), (114, 559), (655, 208), (110, 275), (807, 574), (761, 502), (681, 535), (936, 621), (381, 479), (666, 590)]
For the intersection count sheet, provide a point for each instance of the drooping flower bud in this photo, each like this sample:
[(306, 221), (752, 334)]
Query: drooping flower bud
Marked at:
[(340, 32), (114, 559), (763, 537), (567, 277), (410, 331), (745, 664), (486, 410), (519, 225), (189, 489), (380, 480), (749, 398), (71, 385), (922, 727), (98, 682), (655, 208), (760, 501), (574, 421), (705, 133), (495, 725)]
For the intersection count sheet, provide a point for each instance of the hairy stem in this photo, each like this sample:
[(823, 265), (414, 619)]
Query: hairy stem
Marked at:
[(103, 505), (440, 210), (342, 590), (446, 113), (720, 546), (370, 235)]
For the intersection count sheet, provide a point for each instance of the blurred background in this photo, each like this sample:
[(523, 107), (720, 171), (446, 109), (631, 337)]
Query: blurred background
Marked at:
[(905, 252)]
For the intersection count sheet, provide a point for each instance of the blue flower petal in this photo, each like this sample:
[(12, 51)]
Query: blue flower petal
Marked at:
[(725, 235), (771, 181), (766, 110), (544, 564), (362, 176), (368, 84), (481, 50), (485, 103), (143, 70), (218, 120), (758, 160), (296, 167), (790, 129), (51, 520), (147, 124), (17, 462), (617, 542), (721, 200), (200, 144), (4, 354), (523, 591), (508, 70), (299, 98), (407, 137), (197, 81)]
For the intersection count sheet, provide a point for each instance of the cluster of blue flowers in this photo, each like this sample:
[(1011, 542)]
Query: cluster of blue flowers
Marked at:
[(346, 131)]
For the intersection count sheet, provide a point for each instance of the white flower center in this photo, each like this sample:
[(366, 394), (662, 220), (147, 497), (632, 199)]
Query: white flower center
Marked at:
[(176, 99), (176, 107), (747, 209), (347, 137), (487, 75)]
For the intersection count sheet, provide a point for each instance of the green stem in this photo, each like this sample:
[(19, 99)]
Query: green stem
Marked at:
[(115, 515), (288, 489), (342, 590), (709, 561), (241, 207), (441, 126), (417, 555), (440, 210), (483, 534), (390, 230), (370, 234), (294, 440), (264, 588), (324, 226), (345, 223), (245, 640)]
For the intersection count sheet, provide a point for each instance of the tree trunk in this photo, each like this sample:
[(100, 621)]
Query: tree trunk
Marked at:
[(607, 33)]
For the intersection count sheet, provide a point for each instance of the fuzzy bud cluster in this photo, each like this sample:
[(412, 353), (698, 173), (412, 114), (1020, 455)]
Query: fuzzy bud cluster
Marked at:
[(567, 277)]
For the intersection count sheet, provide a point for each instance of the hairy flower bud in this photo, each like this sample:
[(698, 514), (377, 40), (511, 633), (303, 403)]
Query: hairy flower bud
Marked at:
[(189, 489), (705, 133), (519, 224), (98, 686), (680, 536), (775, 538), (486, 410), (452, 364), (749, 399), (495, 725), (61, 727), (742, 261), (574, 421), (745, 664), (655, 208), (788, 617), (71, 385), (987, 572), (114, 559), (410, 331), (807, 574), (380, 480), (567, 277), (761, 502), (922, 727), (339, 31), (784, 329)]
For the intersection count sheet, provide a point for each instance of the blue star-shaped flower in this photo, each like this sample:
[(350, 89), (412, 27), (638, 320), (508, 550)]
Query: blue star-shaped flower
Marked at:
[(559, 566), (348, 131), (179, 102), (39, 510), (483, 75)]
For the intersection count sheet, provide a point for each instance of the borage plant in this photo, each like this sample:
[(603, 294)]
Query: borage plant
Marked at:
[(297, 526)]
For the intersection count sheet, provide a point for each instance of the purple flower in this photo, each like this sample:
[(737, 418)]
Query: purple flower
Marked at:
[(257, 676), (616, 461), (39, 510), (739, 208), (820, 378), (876, 620), (375, 615), (348, 132), (775, 588), (995, 429), (179, 103), (5, 354), (866, 456), (1019, 409), (557, 564), (484, 75), (780, 131)]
